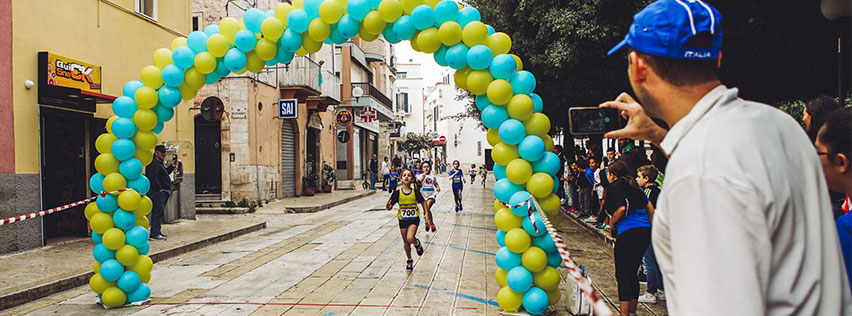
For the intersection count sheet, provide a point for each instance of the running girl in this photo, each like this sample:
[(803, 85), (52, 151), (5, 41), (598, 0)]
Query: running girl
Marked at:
[(483, 172), (408, 215), (457, 176), (429, 188), (393, 179), (472, 174)]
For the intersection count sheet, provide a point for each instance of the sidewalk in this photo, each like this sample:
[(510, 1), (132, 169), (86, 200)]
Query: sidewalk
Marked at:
[(318, 202)]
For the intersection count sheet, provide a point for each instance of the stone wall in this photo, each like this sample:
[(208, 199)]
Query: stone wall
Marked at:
[(19, 194)]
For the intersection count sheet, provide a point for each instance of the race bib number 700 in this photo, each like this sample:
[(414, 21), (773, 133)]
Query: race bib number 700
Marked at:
[(408, 212)]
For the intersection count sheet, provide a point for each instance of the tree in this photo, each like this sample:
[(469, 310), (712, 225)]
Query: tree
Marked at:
[(414, 143)]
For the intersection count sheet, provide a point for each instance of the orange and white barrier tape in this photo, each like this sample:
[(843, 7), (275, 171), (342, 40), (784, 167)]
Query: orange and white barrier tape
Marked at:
[(55, 209)]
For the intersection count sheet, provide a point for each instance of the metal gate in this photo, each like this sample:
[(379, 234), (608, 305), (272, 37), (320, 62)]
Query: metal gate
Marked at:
[(288, 159), (208, 156)]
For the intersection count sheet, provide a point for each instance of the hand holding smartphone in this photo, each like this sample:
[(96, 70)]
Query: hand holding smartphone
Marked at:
[(594, 120)]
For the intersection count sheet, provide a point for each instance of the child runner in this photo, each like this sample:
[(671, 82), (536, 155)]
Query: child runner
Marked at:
[(472, 173), (482, 173), (393, 179), (457, 176), (429, 187), (408, 215)]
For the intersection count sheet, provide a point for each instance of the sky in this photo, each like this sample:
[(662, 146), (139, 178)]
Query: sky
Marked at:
[(429, 69)]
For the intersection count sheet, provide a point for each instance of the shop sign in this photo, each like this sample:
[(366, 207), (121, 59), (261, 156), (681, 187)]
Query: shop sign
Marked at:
[(71, 73), (344, 118), (288, 108), (368, 114)]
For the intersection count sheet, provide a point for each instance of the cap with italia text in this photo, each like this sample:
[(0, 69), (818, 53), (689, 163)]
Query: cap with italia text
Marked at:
[(664, 27)]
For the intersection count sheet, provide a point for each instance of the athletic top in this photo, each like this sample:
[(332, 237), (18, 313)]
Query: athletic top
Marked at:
[(427, 184), (456, 176), (408, 208)]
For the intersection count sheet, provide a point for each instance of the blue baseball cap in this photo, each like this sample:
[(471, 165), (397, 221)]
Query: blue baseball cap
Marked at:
[(663, 27)]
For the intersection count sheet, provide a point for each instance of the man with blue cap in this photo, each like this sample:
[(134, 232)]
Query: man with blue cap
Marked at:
[(744, 224)]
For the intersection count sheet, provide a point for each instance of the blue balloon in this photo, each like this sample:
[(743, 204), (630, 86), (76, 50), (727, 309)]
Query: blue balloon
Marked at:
[(284, 57), (168, 96), (142, 293), (124, 107), (123, 127), (130, 168), (423, 17), (143, 250), (519, 279), (123, 149), (441, 56), (482, 102), (349, 26), (403, 28), (389, 36), (531, 148), (102, 253), (221, 68), (556, 184), (501, 238), (183, 57), (490, 29), (446, 10), (136, 236), (517, 198), (523, 82), (130, 88), (358, 9), (457, 56), (545, 242), (164, 113), (312, 7), (235, 60), (539, 224), (375, 4), (549, 164), (504, 190), (499, 171), (479, 57), (197, 41), (129, 281), (97, 238), (535, 301), (253, 18), (106, 203), (268, 14), (159, 128), (503, 66), (554, 259), (291, 40), (506, 259), (172, 75), (211, 29), (96, 183), (538, 103), (111, 270), (298, 20), (141, 184), (213, 77), (336, 37), (124, 220), (245, 40), (512, 131), (467, 15), (493, 116)]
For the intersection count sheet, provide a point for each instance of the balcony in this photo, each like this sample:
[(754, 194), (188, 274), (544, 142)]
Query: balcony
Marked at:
[(373, 97), (301, 78), (331, 85)]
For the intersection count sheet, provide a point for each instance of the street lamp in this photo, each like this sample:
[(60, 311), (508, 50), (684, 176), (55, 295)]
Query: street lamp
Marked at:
[(839, 12), (357, 93)]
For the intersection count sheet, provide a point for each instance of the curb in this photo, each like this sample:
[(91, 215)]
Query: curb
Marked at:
[(317, 208), (32, 294), (602, 234), (221, 210)]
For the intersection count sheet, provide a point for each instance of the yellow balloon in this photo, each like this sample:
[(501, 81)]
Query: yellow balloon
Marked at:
[(114, 181), (106, 164), (547, 278), (389, 10), (217, 45), (498, 205), (109, 125), (373, 23), (298, 4), (162, 57), (493, 137), (281, 11), (431, 3), (540, 185), (151, 77), (520, 107), (145, 206), (205, 62), (126, 255), (97, 266), (178, 42), (518, 240), (414, 42), (474, 33), (518, 171), (142, 221), (499, 92), (113, 297), (331, 11), (518, 61), (369, 37), (145, 120), (506, 220), (265, 49), (254, 63), (537, 124), (91, 210), (301, 51), (193, 78), (500, 275), (113, 238), (478, 81), (554, 221), (146, 98), (272, 28), (548, 143), (100, 222), (98, 284), (550, 205), (228, 27), (143, 154), (553, 295), (450, 33), (186, 92), (499, 43), (503, 154), (428, 40), (143, 265), (509, 300), (318, 30), (409, 5), (145, 278), (104, 143), (129, 200), (534, 259), (145, 140), (310, 45)]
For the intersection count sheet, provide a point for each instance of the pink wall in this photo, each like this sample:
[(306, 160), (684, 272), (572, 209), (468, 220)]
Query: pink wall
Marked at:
[(7, 137)]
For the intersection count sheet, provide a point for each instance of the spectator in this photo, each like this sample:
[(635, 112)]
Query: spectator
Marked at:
[(160, 190), (585, 180), (385, 172), (597, 187), (570, 178), (743, 227), (646, 179), (834, 147), (816, 113), (624, 145), (374, 170), (610, 157)]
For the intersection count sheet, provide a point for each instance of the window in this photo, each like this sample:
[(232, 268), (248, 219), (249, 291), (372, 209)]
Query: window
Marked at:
[(196, 21), (338, 50), (402, 75), (479, 148), (402, 101), (147, 8)]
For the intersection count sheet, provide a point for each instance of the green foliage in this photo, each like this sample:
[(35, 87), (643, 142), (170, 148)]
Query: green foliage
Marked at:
[(796, 109), (470, 110), (414, 143), (310, 179), (328, 175)]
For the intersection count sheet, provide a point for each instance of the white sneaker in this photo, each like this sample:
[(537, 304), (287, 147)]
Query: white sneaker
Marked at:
[(661, 296), (591, 219), (648, 298)]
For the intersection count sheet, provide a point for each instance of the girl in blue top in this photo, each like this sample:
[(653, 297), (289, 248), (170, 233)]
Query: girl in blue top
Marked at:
[(457, 177), (631, 220)]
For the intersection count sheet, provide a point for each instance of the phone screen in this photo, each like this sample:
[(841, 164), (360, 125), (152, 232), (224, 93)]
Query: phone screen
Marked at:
[(594, 120)]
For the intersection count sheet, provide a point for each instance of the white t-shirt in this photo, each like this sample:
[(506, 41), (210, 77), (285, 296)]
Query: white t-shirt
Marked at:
[(427, 185), (385, 169), (744, 224), (599, 189)]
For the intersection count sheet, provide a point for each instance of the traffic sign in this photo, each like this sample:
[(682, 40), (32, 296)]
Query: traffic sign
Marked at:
[(343, 136)]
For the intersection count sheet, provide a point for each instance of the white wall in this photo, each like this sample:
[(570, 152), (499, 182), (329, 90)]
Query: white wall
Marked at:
[(466, 142), (413, 85)]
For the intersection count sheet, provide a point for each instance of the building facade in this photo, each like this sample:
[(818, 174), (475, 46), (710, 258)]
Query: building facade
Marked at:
[(455, 139)]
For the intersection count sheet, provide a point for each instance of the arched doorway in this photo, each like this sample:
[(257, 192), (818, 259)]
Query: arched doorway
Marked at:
[(208, 149), (288, 158)]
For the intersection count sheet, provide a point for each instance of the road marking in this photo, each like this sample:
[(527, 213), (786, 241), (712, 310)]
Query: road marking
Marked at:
[(458, 248), (477, 227), (465, 296), (318, 305)]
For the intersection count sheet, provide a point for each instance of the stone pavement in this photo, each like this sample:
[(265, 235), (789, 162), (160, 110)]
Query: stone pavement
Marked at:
[(344, 260)]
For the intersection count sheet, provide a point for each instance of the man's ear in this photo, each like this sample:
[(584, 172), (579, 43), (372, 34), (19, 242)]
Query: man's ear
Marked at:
[(638, 68), (841, 162), (719, 60)]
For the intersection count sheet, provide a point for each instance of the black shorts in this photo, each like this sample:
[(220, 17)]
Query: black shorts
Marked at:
[(404, 223)]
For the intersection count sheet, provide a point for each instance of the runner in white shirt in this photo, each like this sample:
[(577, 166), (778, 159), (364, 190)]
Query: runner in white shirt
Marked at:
[(744, 224), (429, 189)]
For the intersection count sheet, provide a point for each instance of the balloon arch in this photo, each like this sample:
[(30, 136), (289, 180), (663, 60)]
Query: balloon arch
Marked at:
[(517, 130)]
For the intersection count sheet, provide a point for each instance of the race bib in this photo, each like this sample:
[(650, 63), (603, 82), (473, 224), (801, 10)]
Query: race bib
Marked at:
[(408, 213)]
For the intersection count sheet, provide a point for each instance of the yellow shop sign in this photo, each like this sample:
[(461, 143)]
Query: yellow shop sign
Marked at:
[(70, 73)]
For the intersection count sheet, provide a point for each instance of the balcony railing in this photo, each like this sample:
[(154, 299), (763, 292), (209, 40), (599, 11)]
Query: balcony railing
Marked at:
[(375, 93), (302, 72), (331, 85)]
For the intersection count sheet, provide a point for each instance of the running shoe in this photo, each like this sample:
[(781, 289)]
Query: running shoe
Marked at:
[(427, 227), (648, 298), (409, 265), (434, 230), (418, 247), (661, 296)]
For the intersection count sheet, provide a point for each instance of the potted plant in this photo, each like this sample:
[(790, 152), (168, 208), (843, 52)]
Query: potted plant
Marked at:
[(328, 177), (310, 182)]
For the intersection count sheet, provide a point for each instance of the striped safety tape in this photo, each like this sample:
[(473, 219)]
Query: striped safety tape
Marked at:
[(55, 209), (529, 209)]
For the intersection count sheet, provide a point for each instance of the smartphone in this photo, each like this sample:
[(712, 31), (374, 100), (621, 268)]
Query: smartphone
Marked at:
[(174, 157), (594, 120)]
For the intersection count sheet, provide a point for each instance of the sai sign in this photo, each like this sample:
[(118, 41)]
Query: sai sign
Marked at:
[(288, 108)]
